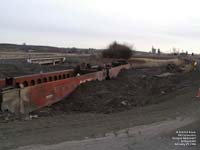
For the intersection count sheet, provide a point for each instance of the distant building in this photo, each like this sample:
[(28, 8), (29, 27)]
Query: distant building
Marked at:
[(153, 50), (159, 51)]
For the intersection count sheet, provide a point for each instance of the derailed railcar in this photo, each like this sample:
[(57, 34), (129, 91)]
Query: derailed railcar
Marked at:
[(48, 88)]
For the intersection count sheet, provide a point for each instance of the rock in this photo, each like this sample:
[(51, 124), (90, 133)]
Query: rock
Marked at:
[(162, 92), (33, 116), (124, 103)]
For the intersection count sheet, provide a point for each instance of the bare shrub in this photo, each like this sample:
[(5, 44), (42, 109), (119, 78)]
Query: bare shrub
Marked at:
[(116, 50)]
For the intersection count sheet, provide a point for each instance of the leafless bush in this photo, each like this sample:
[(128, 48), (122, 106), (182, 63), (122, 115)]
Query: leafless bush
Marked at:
[(116, 50)]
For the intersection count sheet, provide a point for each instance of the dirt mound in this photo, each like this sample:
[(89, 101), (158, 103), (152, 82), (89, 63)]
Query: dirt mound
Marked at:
[(132, 88)]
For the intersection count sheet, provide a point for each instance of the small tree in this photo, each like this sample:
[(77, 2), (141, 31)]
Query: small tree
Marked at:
[(116, 50)]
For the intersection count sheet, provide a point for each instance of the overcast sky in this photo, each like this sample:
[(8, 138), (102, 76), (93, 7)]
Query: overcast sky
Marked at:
[(95, 23)]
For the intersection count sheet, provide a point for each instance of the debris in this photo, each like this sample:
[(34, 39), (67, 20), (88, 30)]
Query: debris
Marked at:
[(33, 116), (198, 93), (144, 76), (162, 92), (132, 88), (124, 103), (166, 74)]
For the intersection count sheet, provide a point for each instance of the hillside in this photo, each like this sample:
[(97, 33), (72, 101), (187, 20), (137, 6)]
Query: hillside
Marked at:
[(4, 47)]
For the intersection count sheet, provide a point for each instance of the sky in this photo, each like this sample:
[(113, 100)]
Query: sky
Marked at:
[(164, 24)]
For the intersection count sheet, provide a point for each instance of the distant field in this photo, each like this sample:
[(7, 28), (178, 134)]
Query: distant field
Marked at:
[(15, 64), (150, 62), (25, 55)]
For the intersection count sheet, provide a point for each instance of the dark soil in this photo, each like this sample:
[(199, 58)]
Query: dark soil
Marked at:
[(74, 125), (19, 67), (132, 88)]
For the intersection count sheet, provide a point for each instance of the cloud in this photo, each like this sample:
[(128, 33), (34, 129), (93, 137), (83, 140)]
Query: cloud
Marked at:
[(94, 23)]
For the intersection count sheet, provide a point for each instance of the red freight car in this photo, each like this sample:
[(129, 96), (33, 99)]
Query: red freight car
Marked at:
[(31, 80)]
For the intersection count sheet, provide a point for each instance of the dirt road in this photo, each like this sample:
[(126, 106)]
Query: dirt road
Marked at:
[(144, 137), (178, 109)]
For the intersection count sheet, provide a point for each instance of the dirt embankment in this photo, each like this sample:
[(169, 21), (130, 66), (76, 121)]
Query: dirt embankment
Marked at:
[(176, 103), (132, 88)]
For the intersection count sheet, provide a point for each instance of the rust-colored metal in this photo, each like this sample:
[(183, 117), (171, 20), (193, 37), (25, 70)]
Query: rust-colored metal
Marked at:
[(34, 97), (113, 72), (2, 83), (31, 80)]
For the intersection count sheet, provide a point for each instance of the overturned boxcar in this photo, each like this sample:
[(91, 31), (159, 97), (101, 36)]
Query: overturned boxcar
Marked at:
[(28, 93)]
